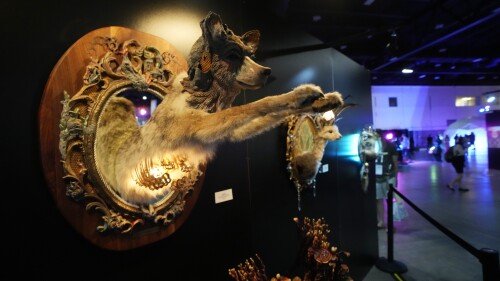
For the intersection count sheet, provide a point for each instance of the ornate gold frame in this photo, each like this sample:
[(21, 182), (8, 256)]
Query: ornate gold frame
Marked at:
[(99, 66), (302, 131)]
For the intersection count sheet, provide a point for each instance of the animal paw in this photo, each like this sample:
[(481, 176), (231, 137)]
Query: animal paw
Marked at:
[(328, 101), (306, 94)]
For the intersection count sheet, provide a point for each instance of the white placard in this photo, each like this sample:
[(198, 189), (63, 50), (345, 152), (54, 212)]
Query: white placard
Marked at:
[(324, 168), (223, 196)]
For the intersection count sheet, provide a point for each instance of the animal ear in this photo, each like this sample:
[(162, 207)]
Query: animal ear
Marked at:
[(251, 39), (339, 110), (212, 28)]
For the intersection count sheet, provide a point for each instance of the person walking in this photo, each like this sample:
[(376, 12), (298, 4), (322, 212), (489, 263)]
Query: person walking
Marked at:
[(472, 140), (458, 163)]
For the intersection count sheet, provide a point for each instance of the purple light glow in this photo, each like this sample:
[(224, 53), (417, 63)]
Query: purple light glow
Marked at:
[(143, 111)]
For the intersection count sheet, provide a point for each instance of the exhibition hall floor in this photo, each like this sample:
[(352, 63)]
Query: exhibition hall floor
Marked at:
[(474, 216)]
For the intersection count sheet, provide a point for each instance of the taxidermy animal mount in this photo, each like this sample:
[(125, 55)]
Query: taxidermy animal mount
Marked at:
[(197, 115), (307, 137), (140, 176), (369, 146)]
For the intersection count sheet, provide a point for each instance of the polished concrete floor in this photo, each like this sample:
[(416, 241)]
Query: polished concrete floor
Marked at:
[(474, 216)]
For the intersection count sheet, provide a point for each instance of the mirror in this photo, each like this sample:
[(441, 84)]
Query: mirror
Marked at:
[(369, 146), (307, 137), (75, 130)]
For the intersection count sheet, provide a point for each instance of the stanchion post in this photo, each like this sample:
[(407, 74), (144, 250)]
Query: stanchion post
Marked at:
[(390, 225), (390, 265), (491, 266)]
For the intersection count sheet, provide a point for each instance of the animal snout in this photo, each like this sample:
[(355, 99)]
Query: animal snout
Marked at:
[(266, 71), (252, 75)]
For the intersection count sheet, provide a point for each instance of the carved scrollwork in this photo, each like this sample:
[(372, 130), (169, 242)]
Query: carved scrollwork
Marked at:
[(127, 66)]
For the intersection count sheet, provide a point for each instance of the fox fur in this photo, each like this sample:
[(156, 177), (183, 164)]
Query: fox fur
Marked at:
[(197, 113)]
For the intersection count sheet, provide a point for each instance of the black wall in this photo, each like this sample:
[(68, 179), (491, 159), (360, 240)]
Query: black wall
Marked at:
[(215, 237)]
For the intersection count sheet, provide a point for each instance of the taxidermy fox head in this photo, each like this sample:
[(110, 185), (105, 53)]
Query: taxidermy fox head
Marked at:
[(329, 130)]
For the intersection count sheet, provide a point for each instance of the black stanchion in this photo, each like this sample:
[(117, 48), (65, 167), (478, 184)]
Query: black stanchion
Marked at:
[(388, 264), (489, 258), (490, 261)]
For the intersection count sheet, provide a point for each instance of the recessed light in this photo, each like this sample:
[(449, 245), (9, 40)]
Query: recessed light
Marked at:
[(422, 76), (407, 70), (316, 18)]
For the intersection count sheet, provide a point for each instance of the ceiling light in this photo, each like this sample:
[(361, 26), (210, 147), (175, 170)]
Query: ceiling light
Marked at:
[(477, 60), (490, 99), (422, 76), (437, 77), (316, 18), (439, 26), (407, 70)]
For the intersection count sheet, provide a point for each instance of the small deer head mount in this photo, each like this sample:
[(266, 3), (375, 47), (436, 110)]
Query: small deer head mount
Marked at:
[(307, 137)]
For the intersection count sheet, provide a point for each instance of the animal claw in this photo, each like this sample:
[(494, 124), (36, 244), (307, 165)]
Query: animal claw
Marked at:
[(328, 102), (307, 94)]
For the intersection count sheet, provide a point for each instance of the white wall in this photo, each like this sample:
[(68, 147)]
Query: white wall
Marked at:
[(422, 108)]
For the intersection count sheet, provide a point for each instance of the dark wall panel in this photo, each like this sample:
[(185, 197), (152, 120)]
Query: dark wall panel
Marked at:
[(339, 198)]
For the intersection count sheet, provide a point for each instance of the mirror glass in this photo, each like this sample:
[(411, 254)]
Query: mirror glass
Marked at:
[(144, 102)]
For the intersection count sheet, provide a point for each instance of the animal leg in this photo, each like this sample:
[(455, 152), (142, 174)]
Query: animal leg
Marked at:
[(242, 122)]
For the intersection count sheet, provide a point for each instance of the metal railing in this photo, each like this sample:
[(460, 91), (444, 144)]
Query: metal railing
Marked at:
[(488, 258)]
